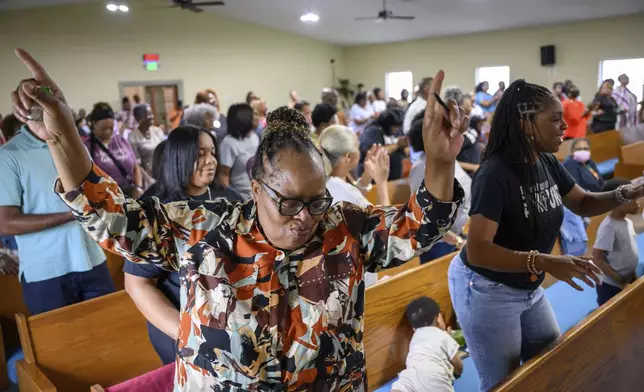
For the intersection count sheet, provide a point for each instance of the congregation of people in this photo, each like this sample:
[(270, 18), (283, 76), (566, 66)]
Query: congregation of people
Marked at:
[(256, 221)]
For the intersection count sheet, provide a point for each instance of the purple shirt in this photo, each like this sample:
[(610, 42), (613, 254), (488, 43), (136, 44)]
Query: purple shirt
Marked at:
[(121, 151)]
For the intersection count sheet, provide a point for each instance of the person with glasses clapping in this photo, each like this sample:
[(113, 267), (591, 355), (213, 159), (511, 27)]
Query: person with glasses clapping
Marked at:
[(272, 290)]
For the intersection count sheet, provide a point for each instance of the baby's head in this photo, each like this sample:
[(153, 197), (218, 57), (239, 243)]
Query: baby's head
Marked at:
[(425, 312), (629, 208)]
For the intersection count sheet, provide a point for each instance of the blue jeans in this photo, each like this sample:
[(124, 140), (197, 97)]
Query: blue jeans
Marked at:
[(50, 294), (502, 325)]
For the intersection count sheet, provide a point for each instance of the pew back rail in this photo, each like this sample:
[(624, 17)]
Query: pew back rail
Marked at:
[(103, 340)]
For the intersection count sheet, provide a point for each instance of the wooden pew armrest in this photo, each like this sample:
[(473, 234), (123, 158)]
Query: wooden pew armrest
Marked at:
[(4, 379), (32, 379)]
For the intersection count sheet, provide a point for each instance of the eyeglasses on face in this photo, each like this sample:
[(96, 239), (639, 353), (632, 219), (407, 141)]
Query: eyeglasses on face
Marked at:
[(288, 206)]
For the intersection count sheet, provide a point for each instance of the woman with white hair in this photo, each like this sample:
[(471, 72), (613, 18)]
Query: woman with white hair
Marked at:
[(341, 154), (204, 115)]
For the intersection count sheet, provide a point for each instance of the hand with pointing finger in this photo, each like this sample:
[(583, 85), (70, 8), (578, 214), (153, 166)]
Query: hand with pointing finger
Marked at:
[(41, 90), (442, 131)]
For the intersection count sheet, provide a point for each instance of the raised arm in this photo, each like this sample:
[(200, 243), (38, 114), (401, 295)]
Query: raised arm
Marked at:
[(393, 235), (140, 231)]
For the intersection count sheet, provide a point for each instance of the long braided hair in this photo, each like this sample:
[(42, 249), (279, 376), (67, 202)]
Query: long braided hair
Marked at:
[(521, 101), (286, 129)]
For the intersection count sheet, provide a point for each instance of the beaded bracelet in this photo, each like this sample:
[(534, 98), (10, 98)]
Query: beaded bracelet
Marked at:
[(619, 194), (532, 260)]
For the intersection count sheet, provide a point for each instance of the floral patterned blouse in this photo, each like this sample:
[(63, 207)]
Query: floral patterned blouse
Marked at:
[(256, 318)]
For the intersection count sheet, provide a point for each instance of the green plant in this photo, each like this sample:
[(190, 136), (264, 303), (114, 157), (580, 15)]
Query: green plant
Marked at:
[(345, 90)]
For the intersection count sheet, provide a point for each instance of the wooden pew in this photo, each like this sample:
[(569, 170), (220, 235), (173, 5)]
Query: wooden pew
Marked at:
[(387, 333), (4, 378), (564, 150), (103, 340), (398, 270), (633, 154), (115, 266), (10, 303), (627, 171), (604, 352), (606, 145), (399, 192)]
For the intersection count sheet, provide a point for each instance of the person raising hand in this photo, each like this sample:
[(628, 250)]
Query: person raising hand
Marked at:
[(265, 285)]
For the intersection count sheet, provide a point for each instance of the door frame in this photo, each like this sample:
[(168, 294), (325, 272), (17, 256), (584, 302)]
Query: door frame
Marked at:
[(134, 83)]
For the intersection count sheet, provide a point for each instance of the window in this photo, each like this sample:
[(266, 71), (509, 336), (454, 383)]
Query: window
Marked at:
[(395, 82), (493, 75), (633, 68)]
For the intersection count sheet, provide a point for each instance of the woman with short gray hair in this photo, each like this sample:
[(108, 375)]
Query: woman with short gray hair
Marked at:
[(204, 115)]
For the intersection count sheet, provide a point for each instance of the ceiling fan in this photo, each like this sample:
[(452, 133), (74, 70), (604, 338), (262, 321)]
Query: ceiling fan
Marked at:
[(194, 6), (386, 14)]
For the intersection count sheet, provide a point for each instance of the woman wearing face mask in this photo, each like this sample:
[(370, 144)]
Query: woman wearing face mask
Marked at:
[(518, 196), (266, 286), (113, 153), (185, 165), (582, 168), (146, 137)]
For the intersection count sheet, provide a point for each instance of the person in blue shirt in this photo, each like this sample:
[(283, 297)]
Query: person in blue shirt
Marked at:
[(185, 166), (582, 168), (59, 263), (486, 101)]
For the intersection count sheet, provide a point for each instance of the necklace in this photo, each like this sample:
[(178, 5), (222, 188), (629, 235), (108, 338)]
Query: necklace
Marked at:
[(209, 195)]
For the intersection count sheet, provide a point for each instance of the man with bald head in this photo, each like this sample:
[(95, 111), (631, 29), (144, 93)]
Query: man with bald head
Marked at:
[(627, 100)]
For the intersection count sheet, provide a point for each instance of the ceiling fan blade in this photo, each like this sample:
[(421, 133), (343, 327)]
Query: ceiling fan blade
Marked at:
[(401, 17), (208, 3), (191, 7), (368, 18)]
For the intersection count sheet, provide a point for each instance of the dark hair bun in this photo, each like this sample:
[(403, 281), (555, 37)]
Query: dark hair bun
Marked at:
[(286, 119)]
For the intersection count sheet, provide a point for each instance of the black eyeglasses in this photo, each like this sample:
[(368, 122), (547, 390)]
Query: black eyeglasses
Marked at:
[(290, 207)]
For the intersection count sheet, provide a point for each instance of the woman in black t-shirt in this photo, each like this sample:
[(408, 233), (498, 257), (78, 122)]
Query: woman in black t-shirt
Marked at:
[(517, 209), (185, 165)]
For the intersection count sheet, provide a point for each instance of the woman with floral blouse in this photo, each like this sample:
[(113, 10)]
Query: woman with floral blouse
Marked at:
[(272, 290)]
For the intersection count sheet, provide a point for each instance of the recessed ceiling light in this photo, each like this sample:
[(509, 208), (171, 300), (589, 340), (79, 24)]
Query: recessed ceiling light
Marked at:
[(112, 7), (309, 18), (124, 8)]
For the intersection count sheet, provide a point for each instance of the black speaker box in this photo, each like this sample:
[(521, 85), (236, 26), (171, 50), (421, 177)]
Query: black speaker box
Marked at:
[(548, 55)]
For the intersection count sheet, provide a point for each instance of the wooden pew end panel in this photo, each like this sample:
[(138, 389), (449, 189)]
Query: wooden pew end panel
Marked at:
[(4, 379), (32, 379)]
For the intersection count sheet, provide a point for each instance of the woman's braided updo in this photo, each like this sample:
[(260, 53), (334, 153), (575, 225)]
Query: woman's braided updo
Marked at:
[(286, 129)]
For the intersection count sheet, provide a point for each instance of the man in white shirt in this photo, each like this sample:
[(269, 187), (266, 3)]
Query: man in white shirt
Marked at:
[(379, 105), (417, 106)]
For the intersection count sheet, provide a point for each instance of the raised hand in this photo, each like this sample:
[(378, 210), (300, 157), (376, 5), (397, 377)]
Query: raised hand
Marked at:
[(442, 139), (41, 90), (376, 164)]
